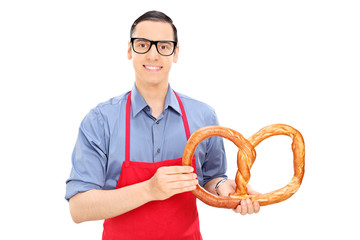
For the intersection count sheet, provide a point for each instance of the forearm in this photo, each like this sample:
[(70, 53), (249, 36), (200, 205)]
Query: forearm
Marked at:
[(103, 204)]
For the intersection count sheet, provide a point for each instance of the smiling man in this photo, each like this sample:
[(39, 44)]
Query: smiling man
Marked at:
[(127, 158), (152, 60)]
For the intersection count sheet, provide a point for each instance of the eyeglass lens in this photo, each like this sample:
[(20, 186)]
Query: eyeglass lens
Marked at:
[(163, 47)]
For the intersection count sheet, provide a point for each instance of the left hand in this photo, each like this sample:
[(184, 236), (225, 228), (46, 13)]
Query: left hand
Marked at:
[(246, 206)]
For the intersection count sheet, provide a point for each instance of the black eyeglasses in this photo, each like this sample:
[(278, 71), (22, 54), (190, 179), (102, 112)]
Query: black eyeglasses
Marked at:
[(143, 45)]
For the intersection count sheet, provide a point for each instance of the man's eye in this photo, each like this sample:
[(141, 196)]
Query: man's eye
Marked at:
[(165, 46)]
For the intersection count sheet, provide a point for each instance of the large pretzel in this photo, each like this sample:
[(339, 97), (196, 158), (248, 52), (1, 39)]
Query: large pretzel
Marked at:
[(245, 159)]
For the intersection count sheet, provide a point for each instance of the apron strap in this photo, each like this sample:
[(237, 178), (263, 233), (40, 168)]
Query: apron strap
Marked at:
[(185, 121), (127, 130)]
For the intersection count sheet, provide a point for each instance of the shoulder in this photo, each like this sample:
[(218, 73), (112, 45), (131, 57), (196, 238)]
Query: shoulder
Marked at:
[(113, 105), (191, 102), (200, 112), (109, 109)]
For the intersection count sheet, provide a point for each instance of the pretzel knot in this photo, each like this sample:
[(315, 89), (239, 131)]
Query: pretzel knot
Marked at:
[(245, 159)]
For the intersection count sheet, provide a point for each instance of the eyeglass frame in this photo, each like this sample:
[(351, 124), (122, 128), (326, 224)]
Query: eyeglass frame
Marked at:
[(153, 43)]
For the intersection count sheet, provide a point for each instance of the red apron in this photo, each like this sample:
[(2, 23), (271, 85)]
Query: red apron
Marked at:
[(173, 218)]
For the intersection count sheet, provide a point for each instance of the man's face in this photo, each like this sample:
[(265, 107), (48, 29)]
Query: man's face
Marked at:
[(152, 68)]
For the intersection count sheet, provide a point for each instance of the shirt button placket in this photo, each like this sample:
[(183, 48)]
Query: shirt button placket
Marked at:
[(157, 141)]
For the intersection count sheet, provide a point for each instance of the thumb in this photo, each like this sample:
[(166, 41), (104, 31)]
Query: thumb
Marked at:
[(251, 191)]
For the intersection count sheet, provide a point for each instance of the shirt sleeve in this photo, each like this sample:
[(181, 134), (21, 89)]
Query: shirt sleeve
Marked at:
[(89, 156), (215, 164)]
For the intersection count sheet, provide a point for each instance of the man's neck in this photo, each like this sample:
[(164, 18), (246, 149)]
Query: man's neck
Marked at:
[(154, 96)]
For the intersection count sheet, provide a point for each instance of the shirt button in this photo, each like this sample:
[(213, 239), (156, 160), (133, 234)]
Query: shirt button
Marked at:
[(148, 109), (158, 150), (157, 122)]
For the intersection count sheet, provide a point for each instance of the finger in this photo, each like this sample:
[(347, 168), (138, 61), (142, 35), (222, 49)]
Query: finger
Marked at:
[(176, 169), (250, 207), (237, 209), (256, 207), (251, 191), (184, 188), (181, 177), (183, 184), (243, 207)]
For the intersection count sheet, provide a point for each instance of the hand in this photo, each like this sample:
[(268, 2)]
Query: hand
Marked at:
[(168, 181), (246, 206)]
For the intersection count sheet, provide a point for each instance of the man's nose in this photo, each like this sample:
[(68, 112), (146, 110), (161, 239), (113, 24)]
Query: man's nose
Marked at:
[(153, 53)]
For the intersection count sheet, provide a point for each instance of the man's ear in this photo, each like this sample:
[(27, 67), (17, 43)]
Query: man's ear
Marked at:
[(176, 54), (129, 53)]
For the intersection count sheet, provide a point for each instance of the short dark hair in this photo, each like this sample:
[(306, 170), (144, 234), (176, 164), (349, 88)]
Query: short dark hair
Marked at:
[(154, 16)]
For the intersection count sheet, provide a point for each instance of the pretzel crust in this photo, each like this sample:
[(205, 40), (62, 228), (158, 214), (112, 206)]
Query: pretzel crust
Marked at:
[(245, 160)]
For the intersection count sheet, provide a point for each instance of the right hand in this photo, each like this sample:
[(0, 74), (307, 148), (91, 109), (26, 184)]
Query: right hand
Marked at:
[(168, 181)]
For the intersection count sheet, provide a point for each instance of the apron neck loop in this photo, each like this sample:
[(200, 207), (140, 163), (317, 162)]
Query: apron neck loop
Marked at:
[(127, 130), (185, 121)]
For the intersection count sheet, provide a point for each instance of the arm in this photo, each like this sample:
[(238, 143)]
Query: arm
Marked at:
[(102, 204)]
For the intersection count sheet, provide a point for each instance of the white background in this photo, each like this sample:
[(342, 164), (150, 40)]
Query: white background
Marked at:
[(256, 62)]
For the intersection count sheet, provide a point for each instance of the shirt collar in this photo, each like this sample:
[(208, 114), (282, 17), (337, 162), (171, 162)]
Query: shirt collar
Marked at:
[(171, 101), (138, 103)]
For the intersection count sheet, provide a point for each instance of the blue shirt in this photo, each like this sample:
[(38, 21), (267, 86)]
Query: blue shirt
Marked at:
[(100, 147)]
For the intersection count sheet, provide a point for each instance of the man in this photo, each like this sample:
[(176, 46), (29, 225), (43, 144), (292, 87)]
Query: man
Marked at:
[(127, 158)]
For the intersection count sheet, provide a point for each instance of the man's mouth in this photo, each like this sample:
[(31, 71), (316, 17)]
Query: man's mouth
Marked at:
[(151, 68)]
